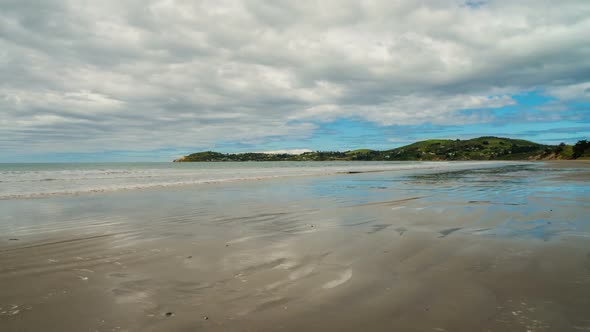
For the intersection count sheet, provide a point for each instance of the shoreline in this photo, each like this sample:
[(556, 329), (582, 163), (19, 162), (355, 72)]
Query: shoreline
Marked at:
[(569, 163)]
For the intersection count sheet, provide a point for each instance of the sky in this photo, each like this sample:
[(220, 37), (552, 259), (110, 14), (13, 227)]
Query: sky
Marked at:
[(152, 80)]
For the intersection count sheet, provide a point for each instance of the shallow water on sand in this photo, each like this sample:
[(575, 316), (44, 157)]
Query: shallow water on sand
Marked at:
[(498, 247)]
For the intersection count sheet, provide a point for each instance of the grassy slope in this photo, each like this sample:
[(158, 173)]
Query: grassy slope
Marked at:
[(482, 148)]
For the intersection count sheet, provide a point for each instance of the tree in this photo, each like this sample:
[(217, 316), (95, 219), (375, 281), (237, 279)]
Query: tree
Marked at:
[(558, 149), (580, 148)]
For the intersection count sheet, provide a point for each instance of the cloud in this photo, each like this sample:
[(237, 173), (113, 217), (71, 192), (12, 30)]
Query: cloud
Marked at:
[(573, 92), (411, 110), (93, 76)]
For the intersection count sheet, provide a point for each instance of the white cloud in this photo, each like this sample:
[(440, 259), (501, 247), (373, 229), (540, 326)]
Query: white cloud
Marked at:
[(575, 92), (88, 75), (411, 109)]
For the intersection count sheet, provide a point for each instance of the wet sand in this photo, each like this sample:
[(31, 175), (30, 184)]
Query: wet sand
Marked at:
[(505, 250)]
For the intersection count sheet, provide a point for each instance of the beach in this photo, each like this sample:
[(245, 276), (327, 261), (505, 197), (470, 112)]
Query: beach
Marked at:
[(466, 246)]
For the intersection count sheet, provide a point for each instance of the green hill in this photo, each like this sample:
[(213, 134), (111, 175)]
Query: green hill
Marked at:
[(482, 148)]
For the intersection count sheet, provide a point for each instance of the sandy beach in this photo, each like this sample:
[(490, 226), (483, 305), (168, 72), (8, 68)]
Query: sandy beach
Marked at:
[(479, 249)]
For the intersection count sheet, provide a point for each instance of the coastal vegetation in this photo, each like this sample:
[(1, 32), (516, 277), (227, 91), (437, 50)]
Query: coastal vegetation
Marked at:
[(482, 148), (581, 150)]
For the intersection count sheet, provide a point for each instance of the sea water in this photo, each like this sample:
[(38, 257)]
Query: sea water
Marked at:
[(21, 181)]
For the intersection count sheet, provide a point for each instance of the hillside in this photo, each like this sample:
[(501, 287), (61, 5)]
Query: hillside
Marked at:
[(482, 148)]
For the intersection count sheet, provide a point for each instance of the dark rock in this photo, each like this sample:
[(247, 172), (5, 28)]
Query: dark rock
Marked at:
[(169, 314), (206, 318), (14, 239)]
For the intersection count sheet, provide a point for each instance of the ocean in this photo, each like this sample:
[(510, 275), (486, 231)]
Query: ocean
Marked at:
[(42, 180)]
